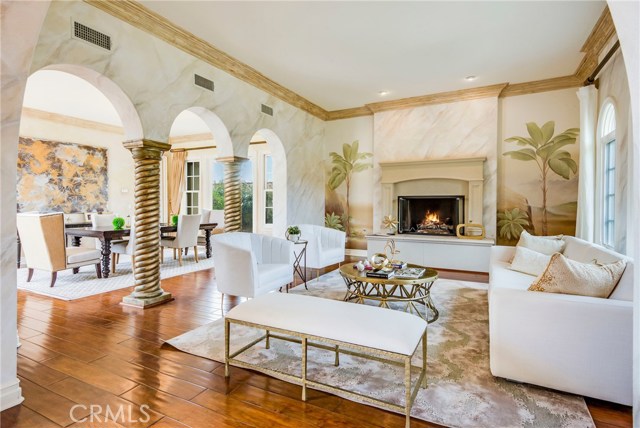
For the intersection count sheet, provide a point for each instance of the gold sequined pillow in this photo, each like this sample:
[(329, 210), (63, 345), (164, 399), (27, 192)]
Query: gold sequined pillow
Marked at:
[(567, 276)]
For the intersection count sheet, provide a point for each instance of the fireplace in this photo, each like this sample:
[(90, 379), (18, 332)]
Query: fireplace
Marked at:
[(430, 215)]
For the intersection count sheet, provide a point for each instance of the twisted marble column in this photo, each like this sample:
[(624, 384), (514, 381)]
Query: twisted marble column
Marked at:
[(232, 193), (147, 155)]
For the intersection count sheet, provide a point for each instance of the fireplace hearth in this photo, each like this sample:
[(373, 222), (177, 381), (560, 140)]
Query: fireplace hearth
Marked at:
[(430, 215)]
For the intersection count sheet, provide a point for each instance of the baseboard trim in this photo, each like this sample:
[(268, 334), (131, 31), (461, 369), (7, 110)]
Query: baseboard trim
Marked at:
[(10, 395)]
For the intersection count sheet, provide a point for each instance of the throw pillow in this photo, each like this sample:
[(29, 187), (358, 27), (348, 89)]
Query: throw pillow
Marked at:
[(529, 261), (542, 244), (568, 276)]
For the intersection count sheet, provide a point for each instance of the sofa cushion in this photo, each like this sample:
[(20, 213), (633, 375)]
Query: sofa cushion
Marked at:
[(567, 276), (586, 252), (503, 277), (529, 261), (269, 272), (542, 244)]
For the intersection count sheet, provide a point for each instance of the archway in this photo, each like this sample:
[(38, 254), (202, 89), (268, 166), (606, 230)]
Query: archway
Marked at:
[(272, 199), (198, 137), (70, 156)]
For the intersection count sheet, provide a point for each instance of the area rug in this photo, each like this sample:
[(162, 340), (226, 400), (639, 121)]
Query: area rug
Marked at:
[(461, 390), (85, 283)]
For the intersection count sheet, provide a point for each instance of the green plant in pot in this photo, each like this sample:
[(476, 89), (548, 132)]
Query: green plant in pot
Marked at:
[(118, 223), (293, 233), (174, 220)]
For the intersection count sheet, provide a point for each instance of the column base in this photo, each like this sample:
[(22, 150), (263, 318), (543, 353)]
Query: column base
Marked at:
[(146, 303), (10, 395)]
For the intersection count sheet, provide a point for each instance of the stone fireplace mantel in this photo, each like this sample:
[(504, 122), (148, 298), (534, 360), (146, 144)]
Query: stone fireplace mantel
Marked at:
[(465, 174)]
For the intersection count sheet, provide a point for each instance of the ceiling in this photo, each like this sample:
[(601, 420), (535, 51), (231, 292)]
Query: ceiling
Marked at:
[(342, 54)]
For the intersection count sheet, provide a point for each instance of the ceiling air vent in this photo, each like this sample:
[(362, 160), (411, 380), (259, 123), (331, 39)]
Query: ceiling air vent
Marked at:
[(88, 34), (203, 82), (266, 109)]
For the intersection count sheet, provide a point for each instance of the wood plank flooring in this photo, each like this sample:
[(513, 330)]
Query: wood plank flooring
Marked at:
[(96, 352)]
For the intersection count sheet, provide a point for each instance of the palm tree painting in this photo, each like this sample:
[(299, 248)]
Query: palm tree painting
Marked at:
[(343, 167), (547, 152)]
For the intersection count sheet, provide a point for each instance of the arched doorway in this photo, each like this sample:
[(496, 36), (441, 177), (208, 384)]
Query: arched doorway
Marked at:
[(70, 154), (194, 177), (270, 181)]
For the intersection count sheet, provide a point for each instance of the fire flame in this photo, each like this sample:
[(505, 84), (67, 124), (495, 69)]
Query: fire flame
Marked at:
[(431, 217)]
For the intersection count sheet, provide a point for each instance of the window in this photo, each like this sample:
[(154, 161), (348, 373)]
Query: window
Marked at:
[(609, 194), (268, 190), (607, 176), (193, 187)]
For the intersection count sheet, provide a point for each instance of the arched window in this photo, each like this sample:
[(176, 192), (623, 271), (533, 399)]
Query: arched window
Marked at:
[(607, 176)]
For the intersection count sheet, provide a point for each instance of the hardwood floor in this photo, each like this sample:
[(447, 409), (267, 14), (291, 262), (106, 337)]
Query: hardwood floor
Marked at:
[(95, 352)]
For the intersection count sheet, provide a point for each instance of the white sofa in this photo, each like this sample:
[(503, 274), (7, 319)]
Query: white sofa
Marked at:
[(577, 344), (326, 246), (248, 264)]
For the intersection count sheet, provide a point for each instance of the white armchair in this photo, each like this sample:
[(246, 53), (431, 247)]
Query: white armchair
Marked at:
[(186, 237), (249, 265), (43, 240), (326, 246)]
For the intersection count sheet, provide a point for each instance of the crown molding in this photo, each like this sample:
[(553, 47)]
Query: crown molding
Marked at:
[(33, 113), (439, 98), (601, 33), (544, 85), (349, 113), (146, 20)]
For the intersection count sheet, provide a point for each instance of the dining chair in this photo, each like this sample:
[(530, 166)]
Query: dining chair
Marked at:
[(186, 237), (43, 242), (125, 247)]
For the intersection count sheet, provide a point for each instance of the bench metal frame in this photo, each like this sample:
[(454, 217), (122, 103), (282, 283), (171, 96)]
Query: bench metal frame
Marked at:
[(338, 347)]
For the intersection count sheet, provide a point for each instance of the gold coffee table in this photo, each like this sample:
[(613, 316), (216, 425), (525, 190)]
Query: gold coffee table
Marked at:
[(360, 287)]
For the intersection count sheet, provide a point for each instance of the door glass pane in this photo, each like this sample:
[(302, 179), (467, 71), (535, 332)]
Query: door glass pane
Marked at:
[(246, 195)]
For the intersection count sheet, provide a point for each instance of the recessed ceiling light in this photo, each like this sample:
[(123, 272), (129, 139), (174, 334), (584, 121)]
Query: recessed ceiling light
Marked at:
[(383, 93), (470, 78)]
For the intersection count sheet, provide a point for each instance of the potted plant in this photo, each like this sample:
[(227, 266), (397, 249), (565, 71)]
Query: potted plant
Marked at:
[(293, 233), (118, 223), (174, 220)]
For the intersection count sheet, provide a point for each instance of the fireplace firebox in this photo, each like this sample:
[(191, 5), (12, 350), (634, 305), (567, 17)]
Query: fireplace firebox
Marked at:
[(430, 215)]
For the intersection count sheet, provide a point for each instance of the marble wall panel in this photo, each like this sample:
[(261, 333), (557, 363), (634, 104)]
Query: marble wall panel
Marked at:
[(445, 131)]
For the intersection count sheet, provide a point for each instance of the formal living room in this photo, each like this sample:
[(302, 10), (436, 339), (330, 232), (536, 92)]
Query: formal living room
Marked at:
[(320, 214)]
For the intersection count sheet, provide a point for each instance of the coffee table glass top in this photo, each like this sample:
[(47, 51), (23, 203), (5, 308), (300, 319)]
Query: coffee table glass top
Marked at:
[(429, 275)]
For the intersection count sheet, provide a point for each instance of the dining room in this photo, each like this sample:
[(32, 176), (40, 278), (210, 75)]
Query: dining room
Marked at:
[(72, 161)]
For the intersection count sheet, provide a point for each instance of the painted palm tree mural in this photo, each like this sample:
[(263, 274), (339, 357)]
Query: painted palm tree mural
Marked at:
[(344, 165), (549, 154)]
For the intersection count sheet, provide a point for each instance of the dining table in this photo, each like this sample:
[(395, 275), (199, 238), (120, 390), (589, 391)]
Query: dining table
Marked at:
[(107, 234)]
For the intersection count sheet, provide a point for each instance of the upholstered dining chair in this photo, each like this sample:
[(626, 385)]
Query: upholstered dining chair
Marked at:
[(125, 247), (43, 241), (186, 237), (210, 216), (325, 246), (102, 220)]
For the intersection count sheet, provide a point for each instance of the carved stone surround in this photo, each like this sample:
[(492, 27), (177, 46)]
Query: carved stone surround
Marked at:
[(435, 177)]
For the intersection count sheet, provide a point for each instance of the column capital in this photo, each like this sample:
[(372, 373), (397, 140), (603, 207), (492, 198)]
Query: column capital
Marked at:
[(231, 159), (146, 144)]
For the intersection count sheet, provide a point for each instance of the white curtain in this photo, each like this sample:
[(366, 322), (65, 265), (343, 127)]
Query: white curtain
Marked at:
[(585, 222)]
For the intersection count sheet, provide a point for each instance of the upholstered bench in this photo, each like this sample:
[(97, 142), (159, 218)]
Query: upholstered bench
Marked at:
[(344, 328)]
